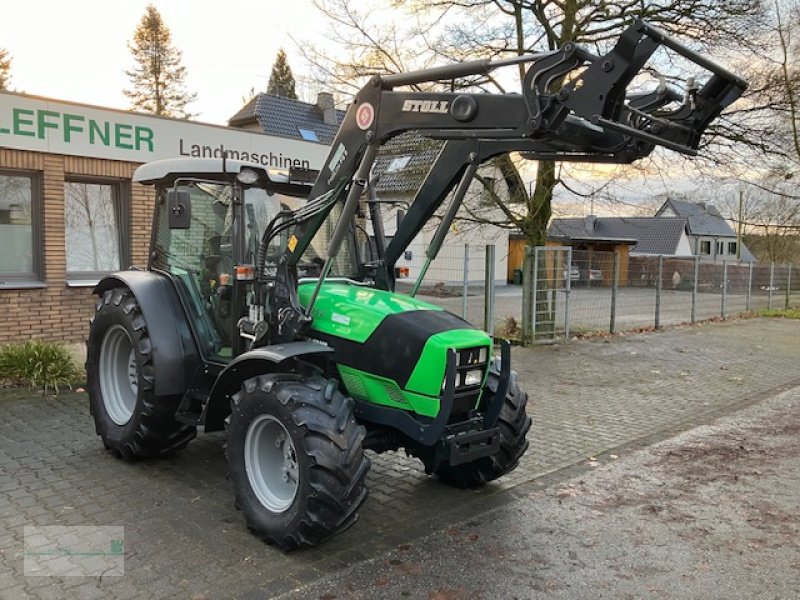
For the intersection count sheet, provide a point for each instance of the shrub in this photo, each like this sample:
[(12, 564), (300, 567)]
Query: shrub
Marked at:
[(38, 364)]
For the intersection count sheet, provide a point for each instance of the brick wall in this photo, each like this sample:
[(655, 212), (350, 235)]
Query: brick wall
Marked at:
[(57, 312)]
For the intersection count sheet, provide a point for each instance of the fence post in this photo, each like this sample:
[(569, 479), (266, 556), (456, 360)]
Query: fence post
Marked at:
[(568, 293), (749, 288), (526, 288), (614, 290), (658, 290), (724, 288), (694, 288), (488, 299), (788, 286), (771, 283), (465, 284)]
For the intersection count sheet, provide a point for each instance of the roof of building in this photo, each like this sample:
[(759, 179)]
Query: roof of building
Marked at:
[(652, 235), (404, 162), (701, 218), (278, 115), (704, 220)]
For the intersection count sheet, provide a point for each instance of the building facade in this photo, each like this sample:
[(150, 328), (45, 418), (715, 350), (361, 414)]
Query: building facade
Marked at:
[(69, 212), (710, 236)]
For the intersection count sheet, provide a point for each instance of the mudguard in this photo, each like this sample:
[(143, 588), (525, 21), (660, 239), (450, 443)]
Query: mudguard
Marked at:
[(260, 361), (175, 354)]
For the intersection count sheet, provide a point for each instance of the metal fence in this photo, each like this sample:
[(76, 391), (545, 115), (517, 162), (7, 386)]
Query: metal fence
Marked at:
[(457, 281), (567, 292), (588, 292)]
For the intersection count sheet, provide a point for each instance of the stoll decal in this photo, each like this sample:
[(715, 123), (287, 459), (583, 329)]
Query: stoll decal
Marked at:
[(365, 115)]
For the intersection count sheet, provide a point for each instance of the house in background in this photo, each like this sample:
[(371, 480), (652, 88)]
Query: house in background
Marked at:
[(595, 240), (278, 115), (711, 237)]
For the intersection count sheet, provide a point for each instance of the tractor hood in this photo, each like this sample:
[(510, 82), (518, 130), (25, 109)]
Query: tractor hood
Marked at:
[(390, 337), (354, 312)]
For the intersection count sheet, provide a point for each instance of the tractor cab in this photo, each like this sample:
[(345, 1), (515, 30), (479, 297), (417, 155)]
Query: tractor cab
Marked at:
[(209, 217)]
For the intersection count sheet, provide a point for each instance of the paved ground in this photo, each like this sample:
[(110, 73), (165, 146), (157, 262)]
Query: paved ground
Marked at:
[(712, 513), (183, 537)]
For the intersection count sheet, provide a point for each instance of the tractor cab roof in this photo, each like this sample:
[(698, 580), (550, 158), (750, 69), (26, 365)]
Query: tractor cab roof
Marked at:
[(169, 169)]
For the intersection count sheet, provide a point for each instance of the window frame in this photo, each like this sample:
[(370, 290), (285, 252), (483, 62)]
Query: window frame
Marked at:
[(121, 197), (735, 249), (703, 243), (34, 278)]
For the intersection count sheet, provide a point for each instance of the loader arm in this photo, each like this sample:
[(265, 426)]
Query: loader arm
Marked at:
[(574, 106)]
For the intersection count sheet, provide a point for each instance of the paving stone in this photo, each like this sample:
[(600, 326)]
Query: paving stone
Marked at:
[(586, 399)]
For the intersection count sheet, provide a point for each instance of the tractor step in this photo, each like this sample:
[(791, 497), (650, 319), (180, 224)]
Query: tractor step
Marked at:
[(191, 408)]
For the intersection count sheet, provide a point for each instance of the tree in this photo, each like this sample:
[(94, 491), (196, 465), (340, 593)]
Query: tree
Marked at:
[(457, 30), (281, 80), (158, 78), (5, 69)]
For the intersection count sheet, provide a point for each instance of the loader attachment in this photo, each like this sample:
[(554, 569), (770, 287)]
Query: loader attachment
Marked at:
[(599, 95)]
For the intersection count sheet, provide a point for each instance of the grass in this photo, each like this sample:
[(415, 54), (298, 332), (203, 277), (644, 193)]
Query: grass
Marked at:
[(38, 364), (781, 313)]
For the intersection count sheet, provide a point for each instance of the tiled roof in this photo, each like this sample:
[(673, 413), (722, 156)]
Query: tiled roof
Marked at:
[(278, 115), (399, 176), (701, 218), (653, 235)]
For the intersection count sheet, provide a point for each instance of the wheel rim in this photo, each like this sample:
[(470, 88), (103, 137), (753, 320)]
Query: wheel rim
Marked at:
[(119, 377), (270, 460)]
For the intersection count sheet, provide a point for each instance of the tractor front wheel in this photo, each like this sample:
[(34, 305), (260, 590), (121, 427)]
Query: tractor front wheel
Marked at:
[(513, 424), (296, 459), (130, 418)]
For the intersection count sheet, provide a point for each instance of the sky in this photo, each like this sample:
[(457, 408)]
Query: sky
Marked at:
[(78, 50)]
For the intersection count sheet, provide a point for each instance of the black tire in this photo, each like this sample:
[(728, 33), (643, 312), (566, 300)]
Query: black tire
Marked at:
[(151, 430), (328, 450), (513, 423)]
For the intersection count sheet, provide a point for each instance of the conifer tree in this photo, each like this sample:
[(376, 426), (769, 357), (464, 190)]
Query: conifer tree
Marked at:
[(5, 69), (157, 79), (281, 80)]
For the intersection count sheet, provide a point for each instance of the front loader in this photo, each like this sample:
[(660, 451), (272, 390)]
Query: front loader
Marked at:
[(259, 314)]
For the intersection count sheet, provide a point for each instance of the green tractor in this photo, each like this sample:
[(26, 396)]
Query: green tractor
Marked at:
[(259, 313)]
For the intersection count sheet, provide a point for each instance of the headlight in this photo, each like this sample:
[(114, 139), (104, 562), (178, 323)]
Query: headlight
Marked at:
[(474, 377)]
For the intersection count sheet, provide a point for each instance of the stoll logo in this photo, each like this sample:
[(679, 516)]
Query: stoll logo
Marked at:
[(426, 106)]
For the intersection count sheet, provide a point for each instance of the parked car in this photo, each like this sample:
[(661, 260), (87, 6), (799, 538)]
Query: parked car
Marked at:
[(574, 273), (593, 276)]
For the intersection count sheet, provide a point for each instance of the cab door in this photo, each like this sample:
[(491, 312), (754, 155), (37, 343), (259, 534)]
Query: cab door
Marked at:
[(200, 259)]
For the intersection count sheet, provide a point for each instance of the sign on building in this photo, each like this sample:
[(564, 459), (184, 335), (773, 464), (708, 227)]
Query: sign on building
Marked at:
[(43, 125)]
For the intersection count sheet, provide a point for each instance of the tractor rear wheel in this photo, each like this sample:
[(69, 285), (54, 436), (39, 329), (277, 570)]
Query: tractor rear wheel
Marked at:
[(130, 418), (513, 424), (296, 459)]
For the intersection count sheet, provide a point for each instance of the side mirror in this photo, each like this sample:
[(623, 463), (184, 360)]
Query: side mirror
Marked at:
[(179, 209)]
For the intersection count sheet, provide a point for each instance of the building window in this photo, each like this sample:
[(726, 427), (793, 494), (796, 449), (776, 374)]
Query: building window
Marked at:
[(488, 190), (720, 248), (732, 248), (96, 237), (20, 234), (705, 248), (308, 134), (398, 163)]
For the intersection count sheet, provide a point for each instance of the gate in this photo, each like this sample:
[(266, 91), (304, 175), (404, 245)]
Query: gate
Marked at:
[(547, 277)]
